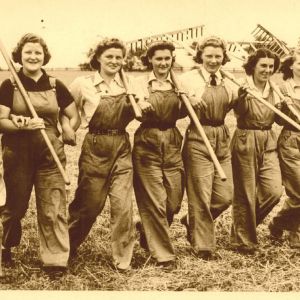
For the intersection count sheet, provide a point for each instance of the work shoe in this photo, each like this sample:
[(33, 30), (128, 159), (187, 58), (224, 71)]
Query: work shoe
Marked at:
[(275, 232), (55, 272), (143, 240), (245, 250), (294, 239), (167, 265), (204, 254), (7, 256), (184, 221)]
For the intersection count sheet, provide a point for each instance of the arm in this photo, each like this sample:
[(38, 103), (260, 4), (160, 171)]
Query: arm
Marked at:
[(68, 117), (25, 123)]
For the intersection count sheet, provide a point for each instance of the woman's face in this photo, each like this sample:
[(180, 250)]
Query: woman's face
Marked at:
[(161, 62), (32, 57), (111, 61), (295, 67), (212, 58), (263, 70)]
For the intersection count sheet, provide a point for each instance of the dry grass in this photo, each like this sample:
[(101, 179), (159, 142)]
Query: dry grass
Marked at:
[(274, 268)]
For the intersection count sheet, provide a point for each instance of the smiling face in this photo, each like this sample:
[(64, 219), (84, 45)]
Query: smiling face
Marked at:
[(212, 58), (111, 61), (161, 62), (263, 70), (295, 67), (32, 57)]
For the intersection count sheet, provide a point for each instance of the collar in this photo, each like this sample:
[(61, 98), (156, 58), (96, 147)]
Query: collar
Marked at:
[(252, 86), (293, 83), (98, 79), (152, 77), (206, 74), (28, 79)]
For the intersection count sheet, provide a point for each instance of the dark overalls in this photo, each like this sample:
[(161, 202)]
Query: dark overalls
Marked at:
[(158, 171), (27, 161), (105, 169), (256, 171), (208, 195)]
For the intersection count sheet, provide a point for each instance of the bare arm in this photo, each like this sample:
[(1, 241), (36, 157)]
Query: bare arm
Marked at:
[(12, 123)]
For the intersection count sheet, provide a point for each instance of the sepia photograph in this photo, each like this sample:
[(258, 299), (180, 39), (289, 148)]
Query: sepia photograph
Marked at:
[(149, 146)]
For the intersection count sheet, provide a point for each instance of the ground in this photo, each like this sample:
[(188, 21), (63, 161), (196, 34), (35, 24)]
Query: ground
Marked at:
[(274, 268)]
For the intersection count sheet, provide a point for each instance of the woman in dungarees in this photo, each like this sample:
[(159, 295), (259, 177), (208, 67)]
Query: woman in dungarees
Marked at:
[(27, 161), (158, 167), (288, 218), (105, 165), (256, 171), (208, 195)]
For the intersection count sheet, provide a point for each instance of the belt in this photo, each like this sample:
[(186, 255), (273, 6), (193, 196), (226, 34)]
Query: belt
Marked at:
[(107, 131), (252, 127), (211, 123), (160, 126)]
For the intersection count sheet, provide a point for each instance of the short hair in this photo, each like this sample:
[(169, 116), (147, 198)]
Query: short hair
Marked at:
[(104, 44), (285, 67), (253, 59), (154, 46), (213, 41), (30, 38)]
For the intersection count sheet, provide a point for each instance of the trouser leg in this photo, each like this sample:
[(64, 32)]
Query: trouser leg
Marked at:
[(288, 218), (18, 176), (199, 175), (91, 193), (269, 189), (222, 191), (121, 197), (244, 166), (51, 204), (173, 178)]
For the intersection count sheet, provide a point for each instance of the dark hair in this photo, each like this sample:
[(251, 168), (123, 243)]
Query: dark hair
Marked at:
[(252, 60), (285, 68), (103, 45), (30, 38), (212, 41), (154, 46)]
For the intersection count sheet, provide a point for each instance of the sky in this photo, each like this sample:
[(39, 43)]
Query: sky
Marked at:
[(71, 27)]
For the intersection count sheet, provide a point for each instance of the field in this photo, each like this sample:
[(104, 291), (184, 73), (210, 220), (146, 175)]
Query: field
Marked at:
[(275, 267)]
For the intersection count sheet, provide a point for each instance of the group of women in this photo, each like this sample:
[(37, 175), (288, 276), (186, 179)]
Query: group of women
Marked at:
[(159, 167)]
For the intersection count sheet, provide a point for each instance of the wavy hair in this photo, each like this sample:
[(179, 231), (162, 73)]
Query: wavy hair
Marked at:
[(30, 38), (103, 45)]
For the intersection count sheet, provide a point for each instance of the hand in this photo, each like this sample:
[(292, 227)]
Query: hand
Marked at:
[(145, 106), (69, 136), (19, 121), (198, 103), (287, 101), (34, 124)]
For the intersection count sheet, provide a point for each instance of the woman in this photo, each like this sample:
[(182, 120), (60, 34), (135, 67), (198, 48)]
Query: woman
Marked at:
[(256, 171), (208, 195), (288, 218), (27, 160), (105, 165), (158, 168)]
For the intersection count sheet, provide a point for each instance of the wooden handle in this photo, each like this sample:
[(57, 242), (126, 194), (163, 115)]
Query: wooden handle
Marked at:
[(262, 100), (32, 111), (281, 96), (200, 129), (136, 109)]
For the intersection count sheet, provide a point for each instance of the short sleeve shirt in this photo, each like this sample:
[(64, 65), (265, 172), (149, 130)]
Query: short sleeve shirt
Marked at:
[(64, 97)]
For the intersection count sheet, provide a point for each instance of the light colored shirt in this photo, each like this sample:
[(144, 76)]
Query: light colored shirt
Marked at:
[(194, 84), (293, 89), (144, 82), (88, 90)]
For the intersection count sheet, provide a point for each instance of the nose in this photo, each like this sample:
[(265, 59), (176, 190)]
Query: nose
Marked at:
[(213, 59)]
